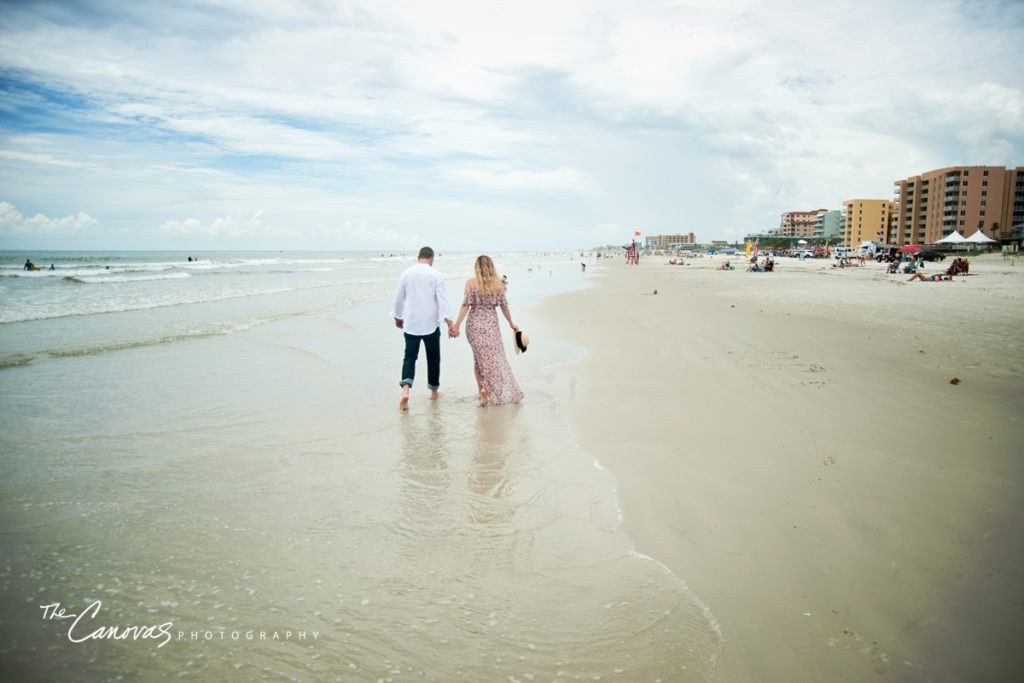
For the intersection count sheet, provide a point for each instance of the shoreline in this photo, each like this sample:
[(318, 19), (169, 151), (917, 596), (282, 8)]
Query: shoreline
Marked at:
[(268, 478), (821, 545)]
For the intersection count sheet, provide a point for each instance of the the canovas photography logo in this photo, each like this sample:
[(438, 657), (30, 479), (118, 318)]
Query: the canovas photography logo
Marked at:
[(78, 632), (81, 630)]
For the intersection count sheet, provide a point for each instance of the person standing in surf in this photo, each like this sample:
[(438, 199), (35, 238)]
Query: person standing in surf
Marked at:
[(483, 295), (420, 306)]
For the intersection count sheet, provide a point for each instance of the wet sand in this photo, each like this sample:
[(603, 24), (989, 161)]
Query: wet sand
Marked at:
[(792, 445), (262, 494)]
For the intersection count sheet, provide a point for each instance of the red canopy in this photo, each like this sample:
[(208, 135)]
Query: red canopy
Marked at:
[(911, 248)]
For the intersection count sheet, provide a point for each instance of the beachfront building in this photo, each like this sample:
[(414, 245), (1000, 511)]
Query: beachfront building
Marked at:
[(798, 223), (867, 220), (828, 225), (669, 241), (932, 205)]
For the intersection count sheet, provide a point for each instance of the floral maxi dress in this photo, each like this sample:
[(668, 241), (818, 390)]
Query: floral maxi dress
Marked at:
[(484, 336)]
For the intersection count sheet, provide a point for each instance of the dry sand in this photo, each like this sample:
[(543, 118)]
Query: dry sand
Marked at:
[(790, 444)]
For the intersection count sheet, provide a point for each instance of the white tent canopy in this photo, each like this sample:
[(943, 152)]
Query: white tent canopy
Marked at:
[(952, 238), (979, 238)]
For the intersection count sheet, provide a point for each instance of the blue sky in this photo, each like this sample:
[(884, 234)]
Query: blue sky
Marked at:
[(479, 125)]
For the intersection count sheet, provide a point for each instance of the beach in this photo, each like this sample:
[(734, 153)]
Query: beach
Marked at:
[(219, 461), (743, 477), (828, 457)]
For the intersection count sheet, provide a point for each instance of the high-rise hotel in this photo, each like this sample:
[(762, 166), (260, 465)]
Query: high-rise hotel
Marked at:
[(866, 220), (963, 198), (798, 223)]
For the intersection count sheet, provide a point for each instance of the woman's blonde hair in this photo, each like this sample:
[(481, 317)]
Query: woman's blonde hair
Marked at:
[(487, 279)]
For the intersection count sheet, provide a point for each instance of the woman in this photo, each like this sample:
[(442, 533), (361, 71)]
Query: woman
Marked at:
[(484, 293), (937, 277)]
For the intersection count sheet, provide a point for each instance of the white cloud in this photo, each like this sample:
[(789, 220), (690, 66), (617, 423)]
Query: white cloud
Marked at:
[(249, 135), (225, 226), (359, 233), (557, 180), (13, 223), (623, 112), (35, 158), (614, 233)]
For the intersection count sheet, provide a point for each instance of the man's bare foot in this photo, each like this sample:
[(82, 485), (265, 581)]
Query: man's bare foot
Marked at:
[(435, 394), (483, 398), (404, 403)]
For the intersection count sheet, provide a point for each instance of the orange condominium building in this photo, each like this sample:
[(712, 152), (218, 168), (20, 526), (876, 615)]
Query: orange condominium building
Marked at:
[(962, 198), (669, 241), (867, 220), (798, 223)]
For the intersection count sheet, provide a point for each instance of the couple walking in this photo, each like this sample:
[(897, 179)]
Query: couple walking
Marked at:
[(420, 306)]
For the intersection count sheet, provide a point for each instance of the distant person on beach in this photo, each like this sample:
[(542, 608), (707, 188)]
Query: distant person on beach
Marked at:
[(632, 256), (53, 267), (29, 265), (420, 306), (504, 281), (583, 267), (484, 293), (959, 267), (938, 277)]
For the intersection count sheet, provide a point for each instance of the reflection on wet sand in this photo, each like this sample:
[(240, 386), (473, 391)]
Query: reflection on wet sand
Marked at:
[(512, 565), (452, 543), (499, 443)]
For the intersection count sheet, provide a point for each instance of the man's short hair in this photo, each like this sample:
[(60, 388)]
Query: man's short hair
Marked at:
[(426, 253)]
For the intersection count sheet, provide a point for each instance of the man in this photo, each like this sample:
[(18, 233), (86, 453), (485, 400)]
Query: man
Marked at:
[(420, 306)]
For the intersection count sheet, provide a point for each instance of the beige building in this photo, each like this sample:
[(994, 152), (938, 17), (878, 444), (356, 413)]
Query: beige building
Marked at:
[(867, 220), (798, 223), (962, 198), (669, 241)]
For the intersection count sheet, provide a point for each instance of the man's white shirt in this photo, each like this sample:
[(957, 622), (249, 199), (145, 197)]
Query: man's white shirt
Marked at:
[(420, 301)]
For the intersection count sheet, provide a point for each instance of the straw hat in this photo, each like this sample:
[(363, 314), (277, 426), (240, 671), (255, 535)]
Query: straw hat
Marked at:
[(522, 341)]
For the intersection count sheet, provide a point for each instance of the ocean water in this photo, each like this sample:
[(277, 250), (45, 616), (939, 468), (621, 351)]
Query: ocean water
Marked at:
[(214, 449), (94, 302)]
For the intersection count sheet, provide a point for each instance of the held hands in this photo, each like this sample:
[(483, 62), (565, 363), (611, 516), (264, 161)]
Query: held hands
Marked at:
[(453, 329)]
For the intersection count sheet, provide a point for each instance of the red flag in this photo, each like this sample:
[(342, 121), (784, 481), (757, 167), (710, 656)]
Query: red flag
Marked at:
[(637, 233)]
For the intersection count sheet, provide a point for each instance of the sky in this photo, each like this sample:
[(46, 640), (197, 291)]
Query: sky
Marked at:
[(475, 125)]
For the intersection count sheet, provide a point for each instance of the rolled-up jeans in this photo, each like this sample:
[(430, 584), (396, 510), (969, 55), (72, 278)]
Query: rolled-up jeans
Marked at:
[(432, 342)]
